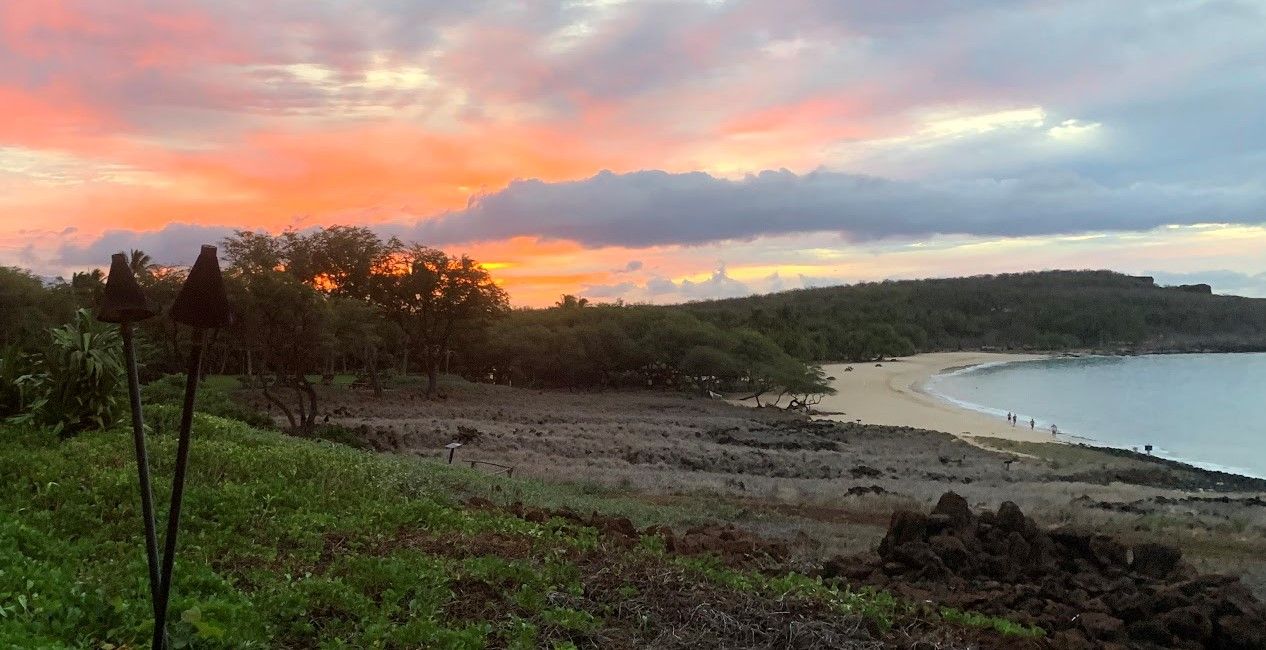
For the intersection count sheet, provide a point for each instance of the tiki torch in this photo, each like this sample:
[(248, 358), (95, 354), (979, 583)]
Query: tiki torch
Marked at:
[(202, 304), (124, 303)]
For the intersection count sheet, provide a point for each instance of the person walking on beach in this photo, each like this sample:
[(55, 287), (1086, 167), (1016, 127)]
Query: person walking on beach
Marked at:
[(1009, 416), (1054, 431), (1032, 423)]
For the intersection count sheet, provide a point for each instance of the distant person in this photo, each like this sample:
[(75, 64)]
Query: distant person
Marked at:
[(1054, 431), (1009, 416), (1032, 423)]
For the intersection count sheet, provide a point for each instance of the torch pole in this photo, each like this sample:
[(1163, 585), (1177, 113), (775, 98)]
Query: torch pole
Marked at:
[(178, 487), (142, 461)]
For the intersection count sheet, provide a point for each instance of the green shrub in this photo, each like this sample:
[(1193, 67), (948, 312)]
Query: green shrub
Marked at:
[(78, 384), (14, 366)]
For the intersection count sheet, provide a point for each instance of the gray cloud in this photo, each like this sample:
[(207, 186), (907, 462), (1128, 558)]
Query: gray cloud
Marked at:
[(659, 289), (653, 208), (177, 243), (656, 208)]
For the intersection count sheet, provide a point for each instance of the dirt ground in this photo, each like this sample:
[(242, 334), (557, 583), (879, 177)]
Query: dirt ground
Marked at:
[(831, 486)]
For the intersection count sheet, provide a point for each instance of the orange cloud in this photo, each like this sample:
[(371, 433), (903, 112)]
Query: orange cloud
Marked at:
[(53, 117)]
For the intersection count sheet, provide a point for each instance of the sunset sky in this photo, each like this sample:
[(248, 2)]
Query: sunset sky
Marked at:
[(653, 151)]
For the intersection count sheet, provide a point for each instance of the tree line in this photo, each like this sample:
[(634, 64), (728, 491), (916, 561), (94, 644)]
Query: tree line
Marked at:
[(343, 300), (1047, 310), (577, 345)]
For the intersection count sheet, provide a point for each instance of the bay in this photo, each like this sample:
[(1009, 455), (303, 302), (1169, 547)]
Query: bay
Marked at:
[(1205, 409)]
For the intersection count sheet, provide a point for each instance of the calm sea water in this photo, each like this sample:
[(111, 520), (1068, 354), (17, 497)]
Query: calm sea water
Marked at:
[(1206, 409)]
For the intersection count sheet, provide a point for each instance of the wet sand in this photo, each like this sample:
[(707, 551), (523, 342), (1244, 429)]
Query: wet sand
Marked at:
[(892, 393)]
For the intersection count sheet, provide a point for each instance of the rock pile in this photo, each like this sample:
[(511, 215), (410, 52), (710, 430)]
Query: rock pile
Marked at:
[(1084, 589)]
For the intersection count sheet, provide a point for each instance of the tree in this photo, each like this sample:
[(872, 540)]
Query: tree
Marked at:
[(254, 252), (159, 347), (87, 287), (434, 297), (140, 263), (710, 368), (349, 264), (339, 260), (356, 329), (28, 309), (807, 387), (569, 301), (284, 323)]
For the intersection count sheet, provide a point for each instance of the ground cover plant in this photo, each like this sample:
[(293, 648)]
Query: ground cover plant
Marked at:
[(299, 543)]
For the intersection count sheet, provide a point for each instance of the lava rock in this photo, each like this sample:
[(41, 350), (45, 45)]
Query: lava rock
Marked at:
[(1155, 560)]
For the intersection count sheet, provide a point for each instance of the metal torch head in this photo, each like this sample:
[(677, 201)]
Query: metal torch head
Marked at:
[(203, 303), (122, 301)]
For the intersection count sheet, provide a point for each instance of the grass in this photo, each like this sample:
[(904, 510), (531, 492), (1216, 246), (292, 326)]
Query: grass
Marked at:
[(1058, 455), (880, 608), (297, 543)]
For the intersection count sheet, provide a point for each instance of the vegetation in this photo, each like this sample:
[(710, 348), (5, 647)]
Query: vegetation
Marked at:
[(1049, 310), (302, 543), (77, 383), (342, 300), (214, 398), (28, 309), (298, 543), (611, 346)]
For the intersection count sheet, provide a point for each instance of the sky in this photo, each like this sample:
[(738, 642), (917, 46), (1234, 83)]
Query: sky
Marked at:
[(650, 151)]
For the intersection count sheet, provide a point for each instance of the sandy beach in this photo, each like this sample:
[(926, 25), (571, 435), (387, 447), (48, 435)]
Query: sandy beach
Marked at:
[(891, 393)]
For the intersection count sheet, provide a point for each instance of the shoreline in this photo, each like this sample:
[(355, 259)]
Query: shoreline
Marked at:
[(894, 393)]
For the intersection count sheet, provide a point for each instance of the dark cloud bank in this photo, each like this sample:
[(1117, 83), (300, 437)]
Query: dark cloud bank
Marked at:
[(656, 208), (651, 208)]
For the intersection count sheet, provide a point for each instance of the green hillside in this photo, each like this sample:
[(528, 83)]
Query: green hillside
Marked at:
[(1048, 310)]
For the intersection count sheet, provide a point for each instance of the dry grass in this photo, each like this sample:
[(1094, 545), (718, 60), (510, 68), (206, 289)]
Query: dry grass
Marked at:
[(779, 475)]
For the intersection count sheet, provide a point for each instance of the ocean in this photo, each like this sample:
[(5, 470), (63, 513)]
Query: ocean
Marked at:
[(1205, 409)]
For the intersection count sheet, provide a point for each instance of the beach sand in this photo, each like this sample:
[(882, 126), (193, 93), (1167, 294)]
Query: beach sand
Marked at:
[(892, 393)]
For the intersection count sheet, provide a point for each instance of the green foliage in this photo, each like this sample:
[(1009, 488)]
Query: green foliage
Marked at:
[(78, 383), (1001, 625), (439, 301), (341, 300), (28, 308), (213, 399), (621, 345), (1049, 310), (260, 512), (342, 435), (879, 607), (14, 366), (288, 542)]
